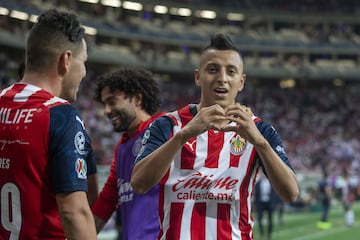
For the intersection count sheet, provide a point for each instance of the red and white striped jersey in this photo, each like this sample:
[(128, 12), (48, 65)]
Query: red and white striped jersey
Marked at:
[(44, 150), (206, 193)]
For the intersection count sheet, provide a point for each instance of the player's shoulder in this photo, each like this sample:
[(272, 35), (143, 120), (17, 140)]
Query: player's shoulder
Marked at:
[(57, 102), (165, 120), (261, 124), (181, 116), (65, 108), (265, 127), (65, 115)]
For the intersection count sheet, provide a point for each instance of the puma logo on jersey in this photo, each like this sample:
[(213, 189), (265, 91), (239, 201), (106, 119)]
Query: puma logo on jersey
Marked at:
[(191, 144), (81, 121)]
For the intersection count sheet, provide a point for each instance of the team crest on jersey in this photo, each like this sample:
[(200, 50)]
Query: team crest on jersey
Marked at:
[(237, 145), (81, 168), (79, 142), (136, 147)]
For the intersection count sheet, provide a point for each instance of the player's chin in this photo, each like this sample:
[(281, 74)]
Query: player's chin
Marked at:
[(223, 103), (71, 98), (117, 126)]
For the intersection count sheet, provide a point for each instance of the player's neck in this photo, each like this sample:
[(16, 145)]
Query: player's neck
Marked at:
[(134, 126), (43, 81)]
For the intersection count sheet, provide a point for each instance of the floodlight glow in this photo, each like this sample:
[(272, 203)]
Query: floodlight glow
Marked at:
[(90, 30), (33, 18), (111, 3), (235, 16), (160, 9), (90, 1), (287, 83), (19, 15), (132, 6), (208, 14), (4, 11), (184, 12)]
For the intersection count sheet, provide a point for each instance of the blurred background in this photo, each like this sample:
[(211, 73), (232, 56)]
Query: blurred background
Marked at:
[(302, 60)]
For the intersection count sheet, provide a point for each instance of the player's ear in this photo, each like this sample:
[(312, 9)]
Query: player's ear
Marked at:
[(242, 82), (64, 62), (197, 77), (138, 100)]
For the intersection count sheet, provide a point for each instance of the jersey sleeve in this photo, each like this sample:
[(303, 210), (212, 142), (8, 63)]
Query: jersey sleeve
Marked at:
[(155, 136), (69, 148), (107, 202), (273, 137)]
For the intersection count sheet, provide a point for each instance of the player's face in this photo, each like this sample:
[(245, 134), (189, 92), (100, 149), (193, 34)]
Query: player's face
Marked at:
[(118, 108), (220, 77), (76, 73)]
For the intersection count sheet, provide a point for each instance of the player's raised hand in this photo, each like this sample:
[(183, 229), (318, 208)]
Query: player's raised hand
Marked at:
[(212, 117), (245, 126)]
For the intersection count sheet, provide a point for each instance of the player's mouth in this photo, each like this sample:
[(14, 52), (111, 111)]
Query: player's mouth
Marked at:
[(115, 119), (221, 92)]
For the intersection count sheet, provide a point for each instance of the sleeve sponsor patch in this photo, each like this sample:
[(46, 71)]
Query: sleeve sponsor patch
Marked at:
[(81, 168)]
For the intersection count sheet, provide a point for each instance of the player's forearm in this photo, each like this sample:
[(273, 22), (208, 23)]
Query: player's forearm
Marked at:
[(282, 178), (76, 217), (79, 226), (153, 167), (99, 223)]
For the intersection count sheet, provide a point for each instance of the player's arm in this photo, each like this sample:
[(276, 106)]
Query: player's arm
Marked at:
[(99, 223), (76, 217), (107, 201), (281, 176), (68, 150), (159, 149), (158, 153), (269, 148), (93, 188)]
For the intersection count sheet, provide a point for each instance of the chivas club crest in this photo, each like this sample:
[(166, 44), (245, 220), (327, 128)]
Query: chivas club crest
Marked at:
[(237, 145)]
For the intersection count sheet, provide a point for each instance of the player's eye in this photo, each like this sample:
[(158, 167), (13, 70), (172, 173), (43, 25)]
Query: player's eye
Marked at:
[(212, 69)]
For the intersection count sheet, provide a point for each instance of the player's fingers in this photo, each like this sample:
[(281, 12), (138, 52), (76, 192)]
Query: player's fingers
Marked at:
[(247, 110)]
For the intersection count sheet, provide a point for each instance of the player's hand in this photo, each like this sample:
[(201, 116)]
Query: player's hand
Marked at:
[(212, 117), (245, 126)]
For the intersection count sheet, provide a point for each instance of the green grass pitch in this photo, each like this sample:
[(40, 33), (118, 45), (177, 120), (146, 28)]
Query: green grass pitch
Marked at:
[(302, 226)]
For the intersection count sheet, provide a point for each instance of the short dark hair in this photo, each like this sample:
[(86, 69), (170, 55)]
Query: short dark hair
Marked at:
[(132, 81), (221, 41), (53, 33)]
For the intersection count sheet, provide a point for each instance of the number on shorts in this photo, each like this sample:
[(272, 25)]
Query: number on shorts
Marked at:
[(11, 210)]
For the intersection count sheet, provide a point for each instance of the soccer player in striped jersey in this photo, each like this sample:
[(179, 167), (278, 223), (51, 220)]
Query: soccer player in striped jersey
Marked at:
[(131, 100), (206, 156), (44, 148)]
